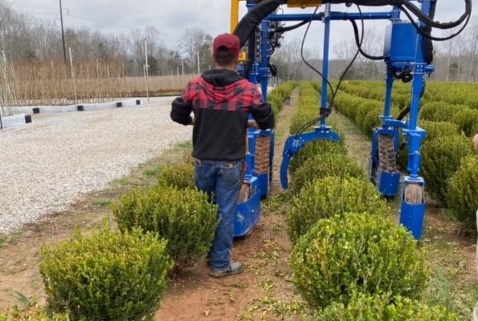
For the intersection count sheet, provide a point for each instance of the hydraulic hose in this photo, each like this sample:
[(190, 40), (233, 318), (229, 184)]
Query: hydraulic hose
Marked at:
[(414, 9), (246, 27)]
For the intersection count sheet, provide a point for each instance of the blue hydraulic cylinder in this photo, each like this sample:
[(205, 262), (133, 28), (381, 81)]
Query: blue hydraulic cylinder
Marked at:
[(325, 62), (249, 211), (248, 207), (412, 206), (263, 70), (412, 209)]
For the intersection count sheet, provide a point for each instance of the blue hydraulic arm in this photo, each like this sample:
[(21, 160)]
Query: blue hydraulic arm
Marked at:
[(294, 143)]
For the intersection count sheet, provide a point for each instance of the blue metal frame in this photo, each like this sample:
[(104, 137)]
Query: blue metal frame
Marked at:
[(399, 57), (248, 212)]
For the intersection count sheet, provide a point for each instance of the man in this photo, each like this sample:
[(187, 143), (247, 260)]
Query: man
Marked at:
[(221, 101)]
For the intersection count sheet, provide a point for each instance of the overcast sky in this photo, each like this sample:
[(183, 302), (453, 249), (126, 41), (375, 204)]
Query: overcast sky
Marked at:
[(172, 18)]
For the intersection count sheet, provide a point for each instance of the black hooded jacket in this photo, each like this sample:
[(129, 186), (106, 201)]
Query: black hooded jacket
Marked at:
[(221, 101)]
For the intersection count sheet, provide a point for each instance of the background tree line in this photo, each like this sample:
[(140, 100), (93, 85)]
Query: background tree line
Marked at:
[(25, 39)]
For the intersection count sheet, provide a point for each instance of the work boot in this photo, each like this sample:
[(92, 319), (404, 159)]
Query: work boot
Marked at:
[(232, 269)]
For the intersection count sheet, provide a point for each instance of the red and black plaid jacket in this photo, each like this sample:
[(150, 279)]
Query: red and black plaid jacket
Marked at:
[(221, 101)]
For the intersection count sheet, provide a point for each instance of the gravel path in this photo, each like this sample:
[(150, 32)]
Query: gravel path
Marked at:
[(47, 164)]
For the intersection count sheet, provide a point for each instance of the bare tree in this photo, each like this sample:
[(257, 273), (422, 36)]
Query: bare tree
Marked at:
[(196, 45)]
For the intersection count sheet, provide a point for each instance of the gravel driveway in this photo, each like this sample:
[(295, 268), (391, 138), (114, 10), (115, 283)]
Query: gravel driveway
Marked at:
[(47, 164)]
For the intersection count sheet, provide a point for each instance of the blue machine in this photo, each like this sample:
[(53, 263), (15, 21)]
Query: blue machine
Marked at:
[(407, 56), (260, 143)]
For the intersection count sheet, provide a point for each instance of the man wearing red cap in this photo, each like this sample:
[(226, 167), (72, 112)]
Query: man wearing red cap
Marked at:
[(221, 101)]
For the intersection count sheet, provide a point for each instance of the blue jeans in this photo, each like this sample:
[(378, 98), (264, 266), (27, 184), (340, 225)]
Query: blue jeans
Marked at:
[(221, 180)]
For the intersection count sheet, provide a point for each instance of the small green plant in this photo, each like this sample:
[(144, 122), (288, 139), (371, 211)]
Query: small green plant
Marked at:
[(185, 217), (106, 276), (363, 307), (357, 253), (32, 314), (329, 196)]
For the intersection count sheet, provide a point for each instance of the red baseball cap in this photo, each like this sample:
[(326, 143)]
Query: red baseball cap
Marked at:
[(227, 43)]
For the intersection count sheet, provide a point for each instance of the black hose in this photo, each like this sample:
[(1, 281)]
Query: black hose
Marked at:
[(428, 20), (246, 27)]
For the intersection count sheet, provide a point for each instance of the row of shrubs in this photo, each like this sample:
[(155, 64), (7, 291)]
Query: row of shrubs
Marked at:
[(447, 157), (451, 93), (121, 271), (350, 260)]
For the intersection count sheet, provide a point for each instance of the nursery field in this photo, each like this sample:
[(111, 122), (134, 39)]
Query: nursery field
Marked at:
[(268, 288)]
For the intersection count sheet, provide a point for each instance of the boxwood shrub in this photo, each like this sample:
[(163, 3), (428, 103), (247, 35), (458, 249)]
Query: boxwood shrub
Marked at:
[(368, 115), (323, 165), (106, 276), (184, 217), (364, 307), (357, 253), (179, 175), (315, 148), (438, 110), (462, 195), (467, 119), (441, 158), (437, 129), (434, 129), (332, 195)]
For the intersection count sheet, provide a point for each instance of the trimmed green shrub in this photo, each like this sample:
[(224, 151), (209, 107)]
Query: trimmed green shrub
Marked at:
[(302, 117), (14, 314), (279, 94), (439, 110), (323, 165), (357, 253), (186, 218), (462, 193), (330, 196), (384, 308), (315, 148), (372, 120), (107, 276), (180, 175), (347, 104), (368, 115), (401, 100), (436, 129), (467, 119), (441, 158)]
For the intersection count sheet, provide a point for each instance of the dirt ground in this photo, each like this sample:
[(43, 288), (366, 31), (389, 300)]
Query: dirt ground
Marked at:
[(262, 292)]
